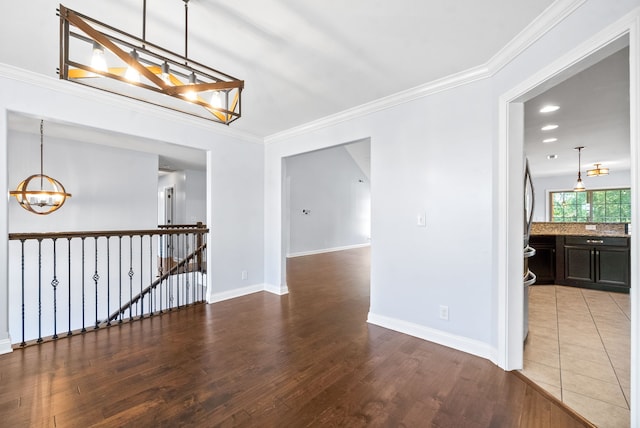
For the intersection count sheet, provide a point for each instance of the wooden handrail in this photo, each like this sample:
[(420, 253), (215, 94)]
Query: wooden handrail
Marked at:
[(106, 233)]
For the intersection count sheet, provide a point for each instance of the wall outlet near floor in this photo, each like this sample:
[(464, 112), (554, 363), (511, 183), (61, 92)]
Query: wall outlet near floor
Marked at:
[(444, 312), (244, 274)]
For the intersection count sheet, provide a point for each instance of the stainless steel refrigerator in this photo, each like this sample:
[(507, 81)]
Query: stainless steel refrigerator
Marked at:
[(529, 278)]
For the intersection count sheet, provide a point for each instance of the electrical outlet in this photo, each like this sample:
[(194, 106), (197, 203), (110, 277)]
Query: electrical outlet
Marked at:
[(444, 312), (244, 274)]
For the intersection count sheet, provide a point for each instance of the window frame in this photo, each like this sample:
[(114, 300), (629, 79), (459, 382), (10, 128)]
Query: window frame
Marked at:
[(589, 202)]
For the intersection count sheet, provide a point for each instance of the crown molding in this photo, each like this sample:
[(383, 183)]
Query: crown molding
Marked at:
[(543, 23), (449, 82), (31, 78), (549, 18)]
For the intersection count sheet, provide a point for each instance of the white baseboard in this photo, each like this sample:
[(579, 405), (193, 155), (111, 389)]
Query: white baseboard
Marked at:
[(239, 292), (460, 343), (327, 250), (279, 290), (236, 292), (5, 346)]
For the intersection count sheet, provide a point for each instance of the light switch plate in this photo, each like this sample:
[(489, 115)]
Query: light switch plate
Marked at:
[(421, 220)]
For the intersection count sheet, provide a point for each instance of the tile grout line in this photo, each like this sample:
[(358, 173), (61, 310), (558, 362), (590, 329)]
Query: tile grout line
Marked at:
[(555, 300), (604, 346), (620, 307)]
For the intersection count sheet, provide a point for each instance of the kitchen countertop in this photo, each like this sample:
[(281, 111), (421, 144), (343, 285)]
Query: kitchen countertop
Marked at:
[(578, 229)]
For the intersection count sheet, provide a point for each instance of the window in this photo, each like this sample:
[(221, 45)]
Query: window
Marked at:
[(593, 206)]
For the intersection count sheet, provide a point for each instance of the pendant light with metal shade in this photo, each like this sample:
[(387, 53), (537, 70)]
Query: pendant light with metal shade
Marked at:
[(579, 187), (44, 200)]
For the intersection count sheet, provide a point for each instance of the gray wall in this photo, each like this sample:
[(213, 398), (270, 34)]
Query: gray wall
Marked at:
[(438, 154), (335, 192)]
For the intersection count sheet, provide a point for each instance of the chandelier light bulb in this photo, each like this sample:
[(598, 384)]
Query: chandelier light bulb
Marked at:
[(132, 74), (191, 94), (98, 59)]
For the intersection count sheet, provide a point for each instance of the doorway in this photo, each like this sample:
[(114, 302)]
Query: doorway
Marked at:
[(326, 200), (511, 153)]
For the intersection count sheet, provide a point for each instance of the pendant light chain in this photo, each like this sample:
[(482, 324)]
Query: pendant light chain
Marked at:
[(144, 22), (186, 30), (41, 153)]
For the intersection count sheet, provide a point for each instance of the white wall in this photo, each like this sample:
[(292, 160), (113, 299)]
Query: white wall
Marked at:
[(190, 192), (234, 177), (336, 192), (438, 154), (422, 161), (195, 203), (111, 188), (544, 185)]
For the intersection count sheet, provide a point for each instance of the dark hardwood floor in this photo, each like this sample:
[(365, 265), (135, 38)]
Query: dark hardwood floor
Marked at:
[(305, 359)]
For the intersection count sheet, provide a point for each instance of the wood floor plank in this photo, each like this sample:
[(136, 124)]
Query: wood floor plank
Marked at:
[(307, 359)]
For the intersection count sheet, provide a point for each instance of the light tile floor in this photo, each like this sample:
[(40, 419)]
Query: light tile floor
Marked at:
[(578, 349)]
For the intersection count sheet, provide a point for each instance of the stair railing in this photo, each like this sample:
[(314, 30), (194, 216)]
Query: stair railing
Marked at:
[(68, 282)]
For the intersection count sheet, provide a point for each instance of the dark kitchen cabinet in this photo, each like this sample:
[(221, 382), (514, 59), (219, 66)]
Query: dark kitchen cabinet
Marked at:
[(543, 263), (601, 263)]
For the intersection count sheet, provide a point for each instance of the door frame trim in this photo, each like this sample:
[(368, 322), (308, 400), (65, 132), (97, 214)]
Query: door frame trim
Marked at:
[(509, 211)]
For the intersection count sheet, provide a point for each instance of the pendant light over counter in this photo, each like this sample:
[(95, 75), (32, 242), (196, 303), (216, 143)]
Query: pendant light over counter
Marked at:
[(579, 187)]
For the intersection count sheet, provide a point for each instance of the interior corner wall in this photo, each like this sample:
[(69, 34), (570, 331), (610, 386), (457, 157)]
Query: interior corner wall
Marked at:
[(437, 156), (330, 202)]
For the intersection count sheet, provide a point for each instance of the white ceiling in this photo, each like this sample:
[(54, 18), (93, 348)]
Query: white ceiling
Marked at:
[(300, 60), (594, 113), (303, 60)]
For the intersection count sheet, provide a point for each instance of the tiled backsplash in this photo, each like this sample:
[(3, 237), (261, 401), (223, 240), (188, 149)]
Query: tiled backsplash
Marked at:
[(590, 229)]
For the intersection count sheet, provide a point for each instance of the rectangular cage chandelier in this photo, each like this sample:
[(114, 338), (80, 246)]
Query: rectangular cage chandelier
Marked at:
[(100, 56)]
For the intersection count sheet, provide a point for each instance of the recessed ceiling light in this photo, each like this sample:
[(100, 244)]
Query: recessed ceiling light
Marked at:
[(549, 127), (550, 140), (551, 157), (549, 108)]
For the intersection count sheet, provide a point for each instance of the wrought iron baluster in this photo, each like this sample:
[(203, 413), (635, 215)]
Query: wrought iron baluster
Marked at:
[(39, 290), (96, 277), (180, 269), (141, 314), (130, 275), (84, 329), (69, 281), (195, 269), (108, 280), (119, 278), (151, 275), (23, 343), (54, 284), (160, 286)]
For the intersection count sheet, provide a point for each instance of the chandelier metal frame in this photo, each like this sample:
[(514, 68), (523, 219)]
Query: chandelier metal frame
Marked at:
[(51, 194), (166, 79)]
